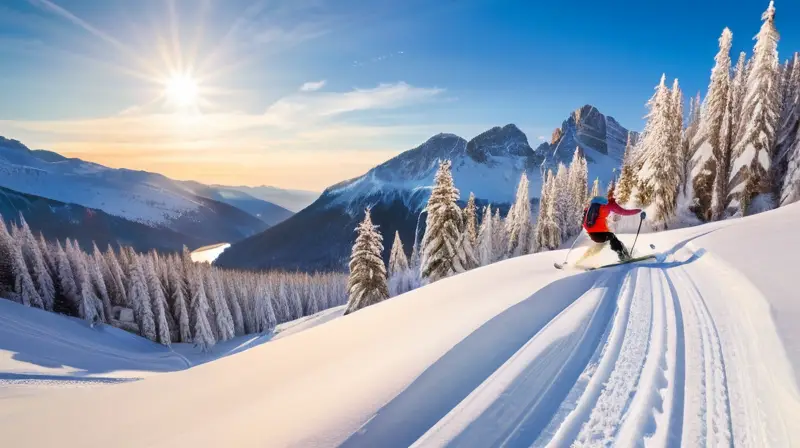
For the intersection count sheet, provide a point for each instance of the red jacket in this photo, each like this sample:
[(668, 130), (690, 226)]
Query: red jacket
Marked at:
[(606, 209)]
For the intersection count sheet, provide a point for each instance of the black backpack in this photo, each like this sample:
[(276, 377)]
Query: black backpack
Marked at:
[(591, 214)]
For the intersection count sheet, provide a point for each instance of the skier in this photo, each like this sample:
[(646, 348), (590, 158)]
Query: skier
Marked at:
[(594, 222)]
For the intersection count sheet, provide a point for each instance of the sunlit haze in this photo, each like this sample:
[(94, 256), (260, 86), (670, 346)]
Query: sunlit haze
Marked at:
[(304, 94)]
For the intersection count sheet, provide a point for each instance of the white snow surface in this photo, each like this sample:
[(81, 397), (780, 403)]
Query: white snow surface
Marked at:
[(697, 348), (207, 254)]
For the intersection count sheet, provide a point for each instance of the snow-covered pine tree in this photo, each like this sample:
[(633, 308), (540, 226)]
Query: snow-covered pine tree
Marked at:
[(180, 310), (219, 307), (548, 234), (595, 188), (234, 303), (752, 157), (440, 244), (399, 275), (627, 177), (367, 282), (732, 132), (520, 230), (676, 133), (709, 141), (264, 313), (563, 201), (486, 238), (398, 263), (789, 123), (35, 260), (687, 150), (578, 189), (139, 297), (67, 295), (499, 237), (659, 177), (470, 221), (202, 335), (158, 301), (20, 284), (96, 265), (116, 285), (88, 308)]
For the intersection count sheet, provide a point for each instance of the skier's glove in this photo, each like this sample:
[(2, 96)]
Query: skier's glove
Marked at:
[(643, 215)]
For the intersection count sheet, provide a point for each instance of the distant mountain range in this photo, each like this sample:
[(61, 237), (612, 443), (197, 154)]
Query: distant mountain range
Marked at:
[(320, 236), (188, 212), (293, 200)]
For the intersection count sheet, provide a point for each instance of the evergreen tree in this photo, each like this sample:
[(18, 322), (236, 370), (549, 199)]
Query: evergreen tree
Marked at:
[(627, 177), (548, 234), (732, 133), (203, 335), (563, 201), (116, 285), (789, 123), (398, 263), (367, 282), (158, 300), (687, 150), (399, 275), (219, 307), (751, 161), (265, 319), (709, 142), (595, 188), (35, 260), (179, 309), (19, 283), (67, 298), (95, 265), (520, 230), (578, 190), (658, 178), (676, 133), (140, 299), (499, 237), (486, 238), (470, 222), (234, 304), (440, 244)]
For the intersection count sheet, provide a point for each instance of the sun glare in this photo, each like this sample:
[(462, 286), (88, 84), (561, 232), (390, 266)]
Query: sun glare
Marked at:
[(181, 90)]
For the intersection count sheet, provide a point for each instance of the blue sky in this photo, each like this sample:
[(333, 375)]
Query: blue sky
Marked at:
[(304, 93)]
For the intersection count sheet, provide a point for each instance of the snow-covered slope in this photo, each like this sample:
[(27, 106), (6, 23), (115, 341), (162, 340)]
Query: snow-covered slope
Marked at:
[(693, 350), (489, 165), (138, 196)]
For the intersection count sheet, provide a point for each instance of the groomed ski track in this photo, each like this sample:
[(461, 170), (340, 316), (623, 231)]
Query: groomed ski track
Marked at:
[(637, 359)]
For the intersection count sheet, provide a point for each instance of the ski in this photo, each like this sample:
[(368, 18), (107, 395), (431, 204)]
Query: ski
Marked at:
[(631, 260)]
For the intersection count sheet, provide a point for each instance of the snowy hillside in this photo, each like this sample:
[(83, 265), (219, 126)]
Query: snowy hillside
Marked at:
[(490, 165), (138, 196), (699, 349)]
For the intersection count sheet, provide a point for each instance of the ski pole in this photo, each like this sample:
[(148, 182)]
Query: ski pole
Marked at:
[(570, 247), (641, 220)]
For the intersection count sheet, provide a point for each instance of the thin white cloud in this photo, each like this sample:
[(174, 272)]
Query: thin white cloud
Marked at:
[(312, 86), (294, 114), (541, 138)]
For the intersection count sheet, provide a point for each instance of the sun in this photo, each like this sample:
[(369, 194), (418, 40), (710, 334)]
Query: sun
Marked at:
[(181, 90)]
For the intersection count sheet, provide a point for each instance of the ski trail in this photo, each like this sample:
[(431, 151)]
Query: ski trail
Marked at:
[(713, 414), (515, 403), (607, 413), (598, 375), (647, 398)]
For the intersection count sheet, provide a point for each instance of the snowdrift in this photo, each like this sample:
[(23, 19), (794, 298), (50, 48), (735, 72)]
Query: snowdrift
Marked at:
[(694, 350)]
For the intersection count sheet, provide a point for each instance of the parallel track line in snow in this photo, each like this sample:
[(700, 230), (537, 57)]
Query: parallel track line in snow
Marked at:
[(718, 413), (567, 430), (604, 420), (514, 405), (639, 421)]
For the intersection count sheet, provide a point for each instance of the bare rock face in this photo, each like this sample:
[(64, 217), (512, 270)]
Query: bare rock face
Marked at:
[(586, 128)]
